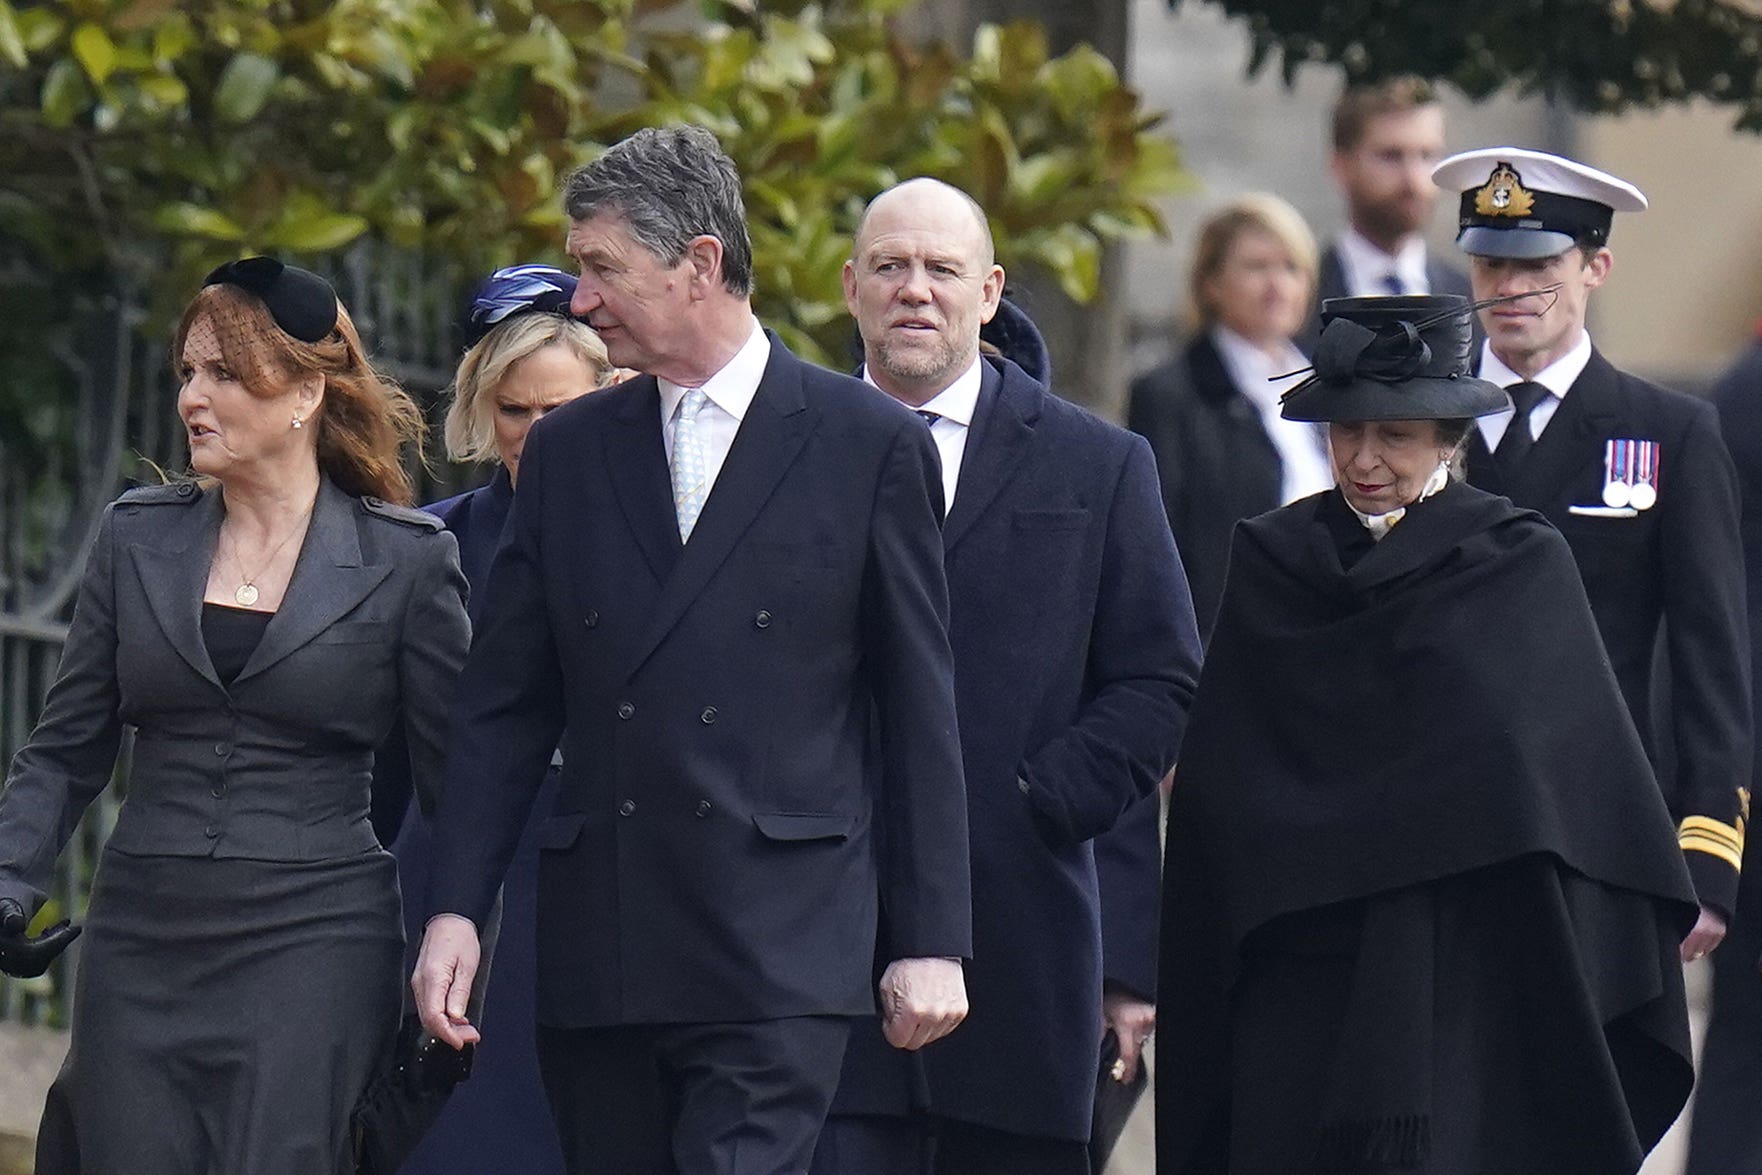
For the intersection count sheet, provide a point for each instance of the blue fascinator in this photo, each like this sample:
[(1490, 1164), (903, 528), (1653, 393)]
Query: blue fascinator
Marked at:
[(515, 290)]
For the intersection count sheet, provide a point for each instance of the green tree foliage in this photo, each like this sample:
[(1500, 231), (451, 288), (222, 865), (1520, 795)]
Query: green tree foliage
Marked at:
[(1598, 55), (152, 139)]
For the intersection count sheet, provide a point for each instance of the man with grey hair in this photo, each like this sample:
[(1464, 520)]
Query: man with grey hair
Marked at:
[(1075, 658), (721, 585)]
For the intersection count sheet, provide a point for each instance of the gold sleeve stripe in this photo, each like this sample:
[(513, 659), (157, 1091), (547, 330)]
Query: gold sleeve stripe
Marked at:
[(1715, 845), (1731, 835)]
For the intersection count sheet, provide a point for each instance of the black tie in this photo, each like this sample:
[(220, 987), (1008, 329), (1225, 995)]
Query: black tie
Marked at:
[(930, 418), (1515, 445)]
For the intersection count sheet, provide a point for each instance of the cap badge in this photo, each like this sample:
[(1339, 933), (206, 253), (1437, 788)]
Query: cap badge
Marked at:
[(1504, 194)]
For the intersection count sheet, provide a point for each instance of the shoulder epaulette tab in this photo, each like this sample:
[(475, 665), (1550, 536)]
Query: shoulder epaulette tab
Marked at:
[(182, 492), (407, 515)]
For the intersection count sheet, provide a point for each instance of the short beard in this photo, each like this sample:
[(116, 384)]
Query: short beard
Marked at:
[(1383, 223), (916, 365)]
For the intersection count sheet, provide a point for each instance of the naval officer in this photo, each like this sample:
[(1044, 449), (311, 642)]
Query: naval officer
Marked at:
[(1634, 475)]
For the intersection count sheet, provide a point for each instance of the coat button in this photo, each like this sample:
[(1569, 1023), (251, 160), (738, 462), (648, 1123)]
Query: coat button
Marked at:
[(627, 808), (703, 808), (217, 792), (592, 619), (708, 716), (185, 489), (212, 831), (220, 749), (1022, 785), (762, 620), (626, 711)]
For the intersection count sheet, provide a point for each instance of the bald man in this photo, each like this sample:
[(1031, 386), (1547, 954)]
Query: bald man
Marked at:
[(1076, 656)]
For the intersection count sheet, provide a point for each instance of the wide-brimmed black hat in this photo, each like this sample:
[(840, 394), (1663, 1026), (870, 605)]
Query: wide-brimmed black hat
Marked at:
[(1394, 358)]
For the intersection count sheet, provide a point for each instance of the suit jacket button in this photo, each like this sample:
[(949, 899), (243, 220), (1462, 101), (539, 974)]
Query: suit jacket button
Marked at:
[(626, 710), (185, 489), (592, 619), (212, 831), (217, 792), (703, 808), (762, 620), (708, 716), (627, 808), (220, 749)]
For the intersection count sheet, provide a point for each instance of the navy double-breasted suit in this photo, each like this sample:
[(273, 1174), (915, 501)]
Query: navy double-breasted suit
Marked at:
[(1075, 658), (1676, 567), (725, 831)]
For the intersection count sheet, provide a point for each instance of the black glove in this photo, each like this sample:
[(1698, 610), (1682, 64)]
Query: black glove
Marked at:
[(27, 958)]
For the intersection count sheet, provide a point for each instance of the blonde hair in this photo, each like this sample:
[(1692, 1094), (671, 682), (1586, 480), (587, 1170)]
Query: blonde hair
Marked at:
[(1259, 212), (470, 428), (365, 419)]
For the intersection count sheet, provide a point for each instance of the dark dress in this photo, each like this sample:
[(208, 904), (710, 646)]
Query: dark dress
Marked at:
[(499, 1120), (1423, 897), (241, 966)]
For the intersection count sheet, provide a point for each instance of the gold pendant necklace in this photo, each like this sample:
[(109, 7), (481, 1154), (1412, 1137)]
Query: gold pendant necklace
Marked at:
[(246, 594)]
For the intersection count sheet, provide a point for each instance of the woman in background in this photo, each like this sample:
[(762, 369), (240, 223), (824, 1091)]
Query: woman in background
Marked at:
[(525, 356), (1211, 414)]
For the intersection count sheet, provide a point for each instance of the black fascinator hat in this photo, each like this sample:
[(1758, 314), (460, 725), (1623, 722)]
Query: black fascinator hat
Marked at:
[(302, 303), (1394, 358)]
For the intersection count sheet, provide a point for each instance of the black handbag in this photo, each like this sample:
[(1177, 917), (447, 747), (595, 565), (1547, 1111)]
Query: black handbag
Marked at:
[(1114, 1101), (404, 1098)]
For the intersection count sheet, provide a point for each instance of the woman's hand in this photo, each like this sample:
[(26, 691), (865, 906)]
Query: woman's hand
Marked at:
[(27, 958), (1708, 933)]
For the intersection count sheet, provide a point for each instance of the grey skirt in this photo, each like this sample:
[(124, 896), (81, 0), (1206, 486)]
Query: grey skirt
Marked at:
[(227, 1016)]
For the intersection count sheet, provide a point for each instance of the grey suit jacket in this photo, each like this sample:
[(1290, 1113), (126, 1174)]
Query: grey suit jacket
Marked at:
[(277, 765)]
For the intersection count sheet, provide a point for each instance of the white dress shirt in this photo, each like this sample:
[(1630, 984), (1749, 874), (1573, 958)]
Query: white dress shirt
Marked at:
[(1367, 267), (1303, 457), (730, 393), (955, 405), (1558, 377)]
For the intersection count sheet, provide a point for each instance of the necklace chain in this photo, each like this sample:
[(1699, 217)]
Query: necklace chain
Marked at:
[(246, 593)]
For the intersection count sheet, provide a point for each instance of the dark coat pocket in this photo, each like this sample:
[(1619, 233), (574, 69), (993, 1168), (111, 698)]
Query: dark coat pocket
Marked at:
[(803, 825), (1075, 519), (560, 830)]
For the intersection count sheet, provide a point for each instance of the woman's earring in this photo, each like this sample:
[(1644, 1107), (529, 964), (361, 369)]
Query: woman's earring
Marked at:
[(298, 423)]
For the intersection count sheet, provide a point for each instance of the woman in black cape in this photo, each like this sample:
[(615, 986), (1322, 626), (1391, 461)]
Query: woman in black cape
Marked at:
[(1423, 900)]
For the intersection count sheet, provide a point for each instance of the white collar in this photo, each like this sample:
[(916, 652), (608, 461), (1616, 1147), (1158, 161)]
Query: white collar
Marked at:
[(1252, 369), (1379, 525), (958, 402), (1558, 377), (1366, 264), (733, 387)]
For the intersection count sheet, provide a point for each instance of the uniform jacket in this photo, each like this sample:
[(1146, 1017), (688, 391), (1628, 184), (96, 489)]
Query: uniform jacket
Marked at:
[(1075, 660), (1330, 282), (275, 766), (720, 846), (1679, 565), (1216, 463)]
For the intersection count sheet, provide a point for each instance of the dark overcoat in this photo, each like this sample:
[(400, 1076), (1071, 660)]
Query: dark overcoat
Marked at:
[(1215, 461), (1676, 567), (718, 852), (1075, 660)]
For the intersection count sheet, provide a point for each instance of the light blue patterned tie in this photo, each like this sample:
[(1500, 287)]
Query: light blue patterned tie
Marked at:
[(688, 463)]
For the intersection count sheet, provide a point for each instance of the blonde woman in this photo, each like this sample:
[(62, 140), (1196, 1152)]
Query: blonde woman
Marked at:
[(526, 357), (1211, 414)]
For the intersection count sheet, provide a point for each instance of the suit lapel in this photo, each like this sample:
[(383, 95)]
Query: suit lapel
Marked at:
[(1584, 417), (1003, 428), (771, 436), (174, 577), (328, 581), (636, 458)]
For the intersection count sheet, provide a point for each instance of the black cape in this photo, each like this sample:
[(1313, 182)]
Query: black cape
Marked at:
[(1374, 748)]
